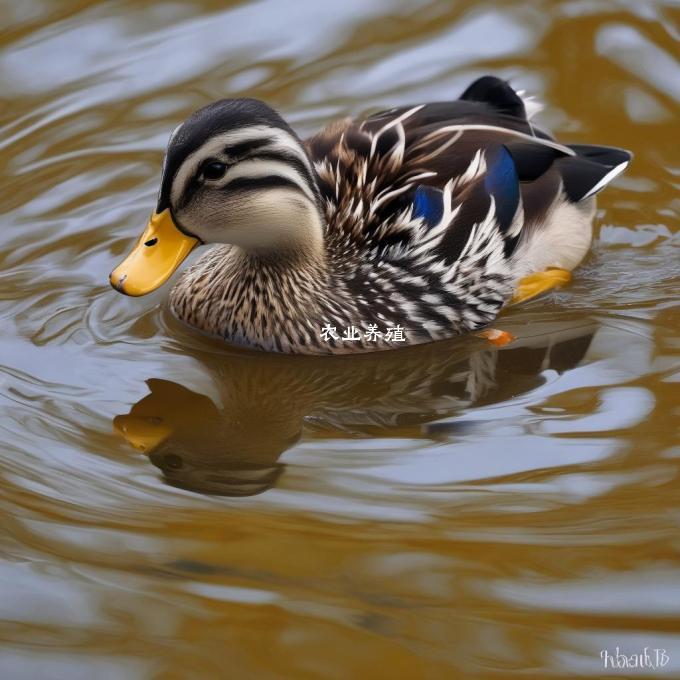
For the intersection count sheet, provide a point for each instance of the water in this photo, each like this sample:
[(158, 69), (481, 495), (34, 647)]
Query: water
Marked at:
[(447, 511)]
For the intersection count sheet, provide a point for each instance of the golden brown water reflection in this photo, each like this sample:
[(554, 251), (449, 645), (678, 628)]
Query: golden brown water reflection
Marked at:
[(447, 511)]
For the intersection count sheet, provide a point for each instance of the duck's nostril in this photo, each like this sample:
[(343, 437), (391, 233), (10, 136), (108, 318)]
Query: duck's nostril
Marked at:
[(152, 241)]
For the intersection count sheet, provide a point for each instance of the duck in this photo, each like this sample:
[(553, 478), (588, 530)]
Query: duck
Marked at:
[(407, 226)]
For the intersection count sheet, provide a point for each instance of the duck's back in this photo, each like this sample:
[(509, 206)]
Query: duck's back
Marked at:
[(436, 212), (385, 175)]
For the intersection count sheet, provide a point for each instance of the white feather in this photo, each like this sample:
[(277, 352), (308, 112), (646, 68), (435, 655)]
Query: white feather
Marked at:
[(532, 106), (614, 172)]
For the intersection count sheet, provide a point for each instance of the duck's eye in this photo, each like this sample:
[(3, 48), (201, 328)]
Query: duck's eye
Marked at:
[(214, 170)]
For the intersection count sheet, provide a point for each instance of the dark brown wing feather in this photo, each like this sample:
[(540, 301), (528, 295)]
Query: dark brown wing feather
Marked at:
[(370, 168)]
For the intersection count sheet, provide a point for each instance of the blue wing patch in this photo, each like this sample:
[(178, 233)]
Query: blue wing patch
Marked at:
[(502, 183), (428, 203)]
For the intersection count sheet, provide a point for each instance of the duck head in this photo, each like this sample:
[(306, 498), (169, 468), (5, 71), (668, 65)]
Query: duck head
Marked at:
[(234, 173)]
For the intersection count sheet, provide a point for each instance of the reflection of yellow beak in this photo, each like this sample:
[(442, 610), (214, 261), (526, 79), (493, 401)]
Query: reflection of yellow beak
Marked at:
[(145, 434), (158, 252)]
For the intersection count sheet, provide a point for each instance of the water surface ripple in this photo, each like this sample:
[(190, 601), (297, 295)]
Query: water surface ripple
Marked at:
[(447, 511)]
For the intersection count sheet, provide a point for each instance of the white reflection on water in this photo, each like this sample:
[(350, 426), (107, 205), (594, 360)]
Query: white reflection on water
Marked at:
[(650, 591), (618, 408), (633, 51), (481, 36), (163, 46)]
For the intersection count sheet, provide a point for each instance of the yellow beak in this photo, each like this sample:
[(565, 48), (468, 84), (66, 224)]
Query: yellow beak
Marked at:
[(158, 252)]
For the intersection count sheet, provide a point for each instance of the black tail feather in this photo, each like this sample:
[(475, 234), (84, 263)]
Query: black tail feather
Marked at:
[(497, 94), (610, 156), (591, 169)]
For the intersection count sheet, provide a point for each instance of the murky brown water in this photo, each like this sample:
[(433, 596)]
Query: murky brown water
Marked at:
[(447, 511)]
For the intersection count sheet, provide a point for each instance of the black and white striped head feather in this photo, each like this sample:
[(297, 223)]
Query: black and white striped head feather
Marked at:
[(236, 173)]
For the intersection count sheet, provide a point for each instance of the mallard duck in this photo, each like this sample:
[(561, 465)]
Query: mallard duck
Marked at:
[(407, 226)]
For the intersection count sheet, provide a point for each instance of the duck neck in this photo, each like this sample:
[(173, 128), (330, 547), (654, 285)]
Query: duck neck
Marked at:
[(301, 270), (303, 248), (254, 296), (298, 254)]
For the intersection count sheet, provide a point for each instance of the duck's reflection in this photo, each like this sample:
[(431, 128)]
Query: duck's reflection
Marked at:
[(268, 402)]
